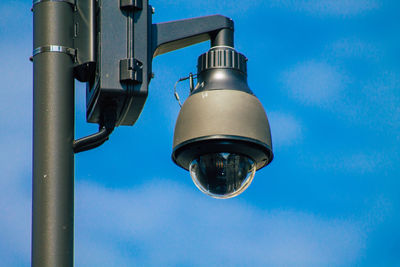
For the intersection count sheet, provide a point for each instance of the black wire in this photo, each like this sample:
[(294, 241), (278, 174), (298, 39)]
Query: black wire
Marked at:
[(92, 141), (97, 139)]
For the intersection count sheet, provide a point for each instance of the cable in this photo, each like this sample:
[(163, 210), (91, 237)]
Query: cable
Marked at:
[(176, 93), (97, 139), (91, 141), (190, 77)]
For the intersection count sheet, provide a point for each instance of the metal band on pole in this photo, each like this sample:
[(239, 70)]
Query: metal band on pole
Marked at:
[(55, 48)]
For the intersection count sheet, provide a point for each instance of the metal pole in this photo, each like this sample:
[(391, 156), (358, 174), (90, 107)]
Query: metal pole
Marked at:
[(53, 134)]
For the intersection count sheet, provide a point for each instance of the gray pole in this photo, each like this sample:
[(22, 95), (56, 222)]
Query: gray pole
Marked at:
[(53, 134)]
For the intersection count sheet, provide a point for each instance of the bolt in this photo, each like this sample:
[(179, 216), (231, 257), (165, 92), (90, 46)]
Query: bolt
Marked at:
[(152, 75), (153, 10)]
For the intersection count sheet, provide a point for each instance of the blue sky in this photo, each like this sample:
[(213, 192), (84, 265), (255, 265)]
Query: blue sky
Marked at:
[(328, 75)]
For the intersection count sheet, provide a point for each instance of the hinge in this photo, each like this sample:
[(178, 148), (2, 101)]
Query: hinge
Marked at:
[(131, 70), (131, 4)]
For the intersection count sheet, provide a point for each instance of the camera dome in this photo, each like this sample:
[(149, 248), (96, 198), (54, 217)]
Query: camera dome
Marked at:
[(222, 134), (222, 175)]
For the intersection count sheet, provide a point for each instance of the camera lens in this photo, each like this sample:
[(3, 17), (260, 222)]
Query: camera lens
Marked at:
[(222, 175)]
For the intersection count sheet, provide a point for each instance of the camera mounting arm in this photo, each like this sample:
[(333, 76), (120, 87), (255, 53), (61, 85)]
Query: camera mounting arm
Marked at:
[(124, 69), (170, 36)]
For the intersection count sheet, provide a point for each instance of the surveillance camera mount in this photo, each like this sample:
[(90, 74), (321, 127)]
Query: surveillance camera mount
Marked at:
[(120, 72), (109, 45)]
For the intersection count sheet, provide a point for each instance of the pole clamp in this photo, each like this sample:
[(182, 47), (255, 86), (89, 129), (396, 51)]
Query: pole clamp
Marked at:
[(55, 48), (72, 2)]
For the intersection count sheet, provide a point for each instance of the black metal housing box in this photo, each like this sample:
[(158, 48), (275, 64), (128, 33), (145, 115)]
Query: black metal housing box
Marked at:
[(123, 60)]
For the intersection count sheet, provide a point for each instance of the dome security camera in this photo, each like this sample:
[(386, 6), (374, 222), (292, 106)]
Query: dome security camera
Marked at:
[(222, 135)]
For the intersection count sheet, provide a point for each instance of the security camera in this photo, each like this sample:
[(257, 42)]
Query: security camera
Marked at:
[(222, 135)]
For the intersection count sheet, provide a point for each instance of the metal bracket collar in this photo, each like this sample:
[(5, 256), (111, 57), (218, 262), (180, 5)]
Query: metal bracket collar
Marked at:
[(55, 48), (72, 2)]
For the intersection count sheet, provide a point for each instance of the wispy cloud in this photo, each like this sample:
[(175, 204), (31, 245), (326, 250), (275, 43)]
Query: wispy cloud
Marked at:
[(313, 83), (286, 129), (337, 87), (179, 226)]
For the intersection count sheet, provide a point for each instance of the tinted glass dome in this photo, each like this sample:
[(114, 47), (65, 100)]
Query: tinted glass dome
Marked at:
[(222, 175)]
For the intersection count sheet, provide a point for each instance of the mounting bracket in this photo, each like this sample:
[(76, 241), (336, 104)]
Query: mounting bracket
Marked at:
[(84, 39)]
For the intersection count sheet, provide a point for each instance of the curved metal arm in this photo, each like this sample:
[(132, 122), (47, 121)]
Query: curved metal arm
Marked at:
[(169, 36)]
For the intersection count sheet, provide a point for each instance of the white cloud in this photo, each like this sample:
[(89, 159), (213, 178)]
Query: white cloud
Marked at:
[(343, 8), (286, 129), (372, 101), (313, 83), (183, 227)]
